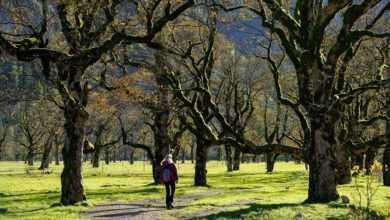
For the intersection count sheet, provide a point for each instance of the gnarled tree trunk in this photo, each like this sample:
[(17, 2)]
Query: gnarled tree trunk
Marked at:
[(30, 157), (271, 159), (192, 153), (96, 156), (46, 156), (343, 166), (202, 147), (131, 156), (161, 122), (161, 145), (107, 156), (72, 153), (114, 157), (236, 159), (75, 99), (156, 171), (229, 157), (322, 175), (57, 154)]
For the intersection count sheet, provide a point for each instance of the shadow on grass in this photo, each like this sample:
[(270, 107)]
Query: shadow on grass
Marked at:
[(152, 184), (124, 191), (205, 186), (125, 214), (35, 197), (3, 210), (28, 194), (337, 205), (3, 194), (237, 214), (276, 178), (51, 197)]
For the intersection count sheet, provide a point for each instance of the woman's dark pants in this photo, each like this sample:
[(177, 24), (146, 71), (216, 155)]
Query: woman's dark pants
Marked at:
[(170, 191)]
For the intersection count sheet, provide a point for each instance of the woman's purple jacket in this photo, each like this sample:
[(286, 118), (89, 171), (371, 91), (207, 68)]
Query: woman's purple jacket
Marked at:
[(172, 168)]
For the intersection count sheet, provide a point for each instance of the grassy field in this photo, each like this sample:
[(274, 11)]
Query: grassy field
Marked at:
[(247, 194)]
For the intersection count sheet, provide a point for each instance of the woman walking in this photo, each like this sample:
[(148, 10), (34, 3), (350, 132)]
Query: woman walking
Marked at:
[(168, 177)]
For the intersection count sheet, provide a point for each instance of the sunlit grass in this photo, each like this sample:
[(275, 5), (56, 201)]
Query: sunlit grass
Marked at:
[(249, 193)]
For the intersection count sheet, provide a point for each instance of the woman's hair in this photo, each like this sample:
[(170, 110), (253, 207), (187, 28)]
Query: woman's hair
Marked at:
[(168, 158)]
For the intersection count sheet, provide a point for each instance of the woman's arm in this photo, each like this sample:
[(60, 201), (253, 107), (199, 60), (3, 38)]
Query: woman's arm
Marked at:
[(175, 173)]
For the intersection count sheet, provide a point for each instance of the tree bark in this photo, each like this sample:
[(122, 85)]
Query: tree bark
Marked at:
[(96, 156), (114, 155), (229, 157), (131, 156), (322, 176), (200, 162), (57, 155), (107, 156), (30, 157), (71, 178), (343, 166), (159, 156), (176, 151), (192, 153), (156, 170), (46, 156), (236, 159), (161, 123), (271, 159)]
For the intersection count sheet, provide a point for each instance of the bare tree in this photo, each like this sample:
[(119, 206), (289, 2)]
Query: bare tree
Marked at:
[(32, 132), (279, 132), (190, 77), (106, 135), (322, 91), (87, 39), (235, 94)]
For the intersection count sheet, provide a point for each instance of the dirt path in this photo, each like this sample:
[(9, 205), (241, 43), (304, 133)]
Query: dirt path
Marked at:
[(144, 209)]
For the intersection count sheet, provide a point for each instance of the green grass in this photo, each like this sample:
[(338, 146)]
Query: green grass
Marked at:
[(249, 193)]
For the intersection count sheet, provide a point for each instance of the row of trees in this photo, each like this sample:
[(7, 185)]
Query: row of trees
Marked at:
[(147, 73)]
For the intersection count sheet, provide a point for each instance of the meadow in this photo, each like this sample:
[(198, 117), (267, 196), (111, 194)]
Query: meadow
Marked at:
[(27, 193)]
